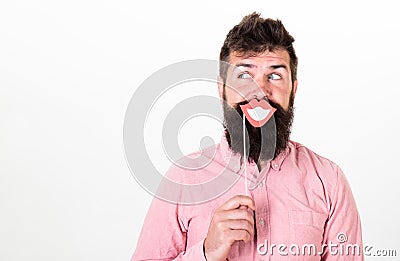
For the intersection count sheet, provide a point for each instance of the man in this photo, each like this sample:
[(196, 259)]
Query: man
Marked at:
[(296, 205)]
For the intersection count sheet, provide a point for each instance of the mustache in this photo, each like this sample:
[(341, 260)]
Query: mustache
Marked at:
[(275, 105)]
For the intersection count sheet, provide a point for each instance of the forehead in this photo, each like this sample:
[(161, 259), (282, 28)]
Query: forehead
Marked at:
[(264, 59)]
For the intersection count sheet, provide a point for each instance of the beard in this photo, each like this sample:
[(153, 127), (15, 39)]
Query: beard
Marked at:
[(262, 143)]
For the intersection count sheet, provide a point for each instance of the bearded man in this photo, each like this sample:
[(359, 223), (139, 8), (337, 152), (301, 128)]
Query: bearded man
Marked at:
[(288, 203)]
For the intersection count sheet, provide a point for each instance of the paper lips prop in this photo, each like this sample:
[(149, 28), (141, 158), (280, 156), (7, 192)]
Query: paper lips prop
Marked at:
[(258, 112)]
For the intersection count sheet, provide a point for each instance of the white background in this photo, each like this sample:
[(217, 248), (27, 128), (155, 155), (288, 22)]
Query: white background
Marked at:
[(69, 68)]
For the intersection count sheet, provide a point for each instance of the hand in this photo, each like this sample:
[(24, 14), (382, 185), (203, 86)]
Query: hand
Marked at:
[(231, 222)]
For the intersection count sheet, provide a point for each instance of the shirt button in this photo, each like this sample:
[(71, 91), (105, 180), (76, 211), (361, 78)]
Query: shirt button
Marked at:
[(275, 165), (259, 184), (262, 222)]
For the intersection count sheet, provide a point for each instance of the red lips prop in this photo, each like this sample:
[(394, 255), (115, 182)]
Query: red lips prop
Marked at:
[(258, 112)]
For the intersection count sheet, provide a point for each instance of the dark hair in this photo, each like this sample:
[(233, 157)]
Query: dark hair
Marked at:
[(254, 35)]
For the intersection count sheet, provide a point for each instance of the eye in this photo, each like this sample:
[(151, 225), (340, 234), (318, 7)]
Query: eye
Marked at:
[(244, 76), (274, 76)]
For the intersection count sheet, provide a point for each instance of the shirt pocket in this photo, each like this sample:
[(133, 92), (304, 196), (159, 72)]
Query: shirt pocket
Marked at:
[(306, 233)]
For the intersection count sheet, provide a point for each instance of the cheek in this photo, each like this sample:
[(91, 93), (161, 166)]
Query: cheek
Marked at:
[(232, 96), (282, 97)]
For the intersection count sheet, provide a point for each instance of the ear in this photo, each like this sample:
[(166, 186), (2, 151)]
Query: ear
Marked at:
[(295, 88), (220, 83)]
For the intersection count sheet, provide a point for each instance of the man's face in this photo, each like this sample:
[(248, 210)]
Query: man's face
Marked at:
[(263, 76)]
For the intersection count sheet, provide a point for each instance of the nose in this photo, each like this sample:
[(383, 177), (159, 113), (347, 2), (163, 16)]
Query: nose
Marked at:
[(260, 88)]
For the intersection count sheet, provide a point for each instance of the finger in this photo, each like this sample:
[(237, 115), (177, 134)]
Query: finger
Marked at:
[(236, 235), (239, 214), (237, 201), (239, 224)]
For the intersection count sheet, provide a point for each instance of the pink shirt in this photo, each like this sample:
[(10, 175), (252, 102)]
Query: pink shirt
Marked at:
[(304, 207)]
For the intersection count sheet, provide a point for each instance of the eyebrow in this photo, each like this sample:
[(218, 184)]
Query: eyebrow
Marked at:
[(273, 67), (247, 65), (278, 66)]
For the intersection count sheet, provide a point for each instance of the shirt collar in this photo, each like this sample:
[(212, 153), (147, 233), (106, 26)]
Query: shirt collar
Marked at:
[(277, 162)]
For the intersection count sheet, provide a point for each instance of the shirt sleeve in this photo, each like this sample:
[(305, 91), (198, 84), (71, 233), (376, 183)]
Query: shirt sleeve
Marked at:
[(164, 232), (163, 236), (342, 238)]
